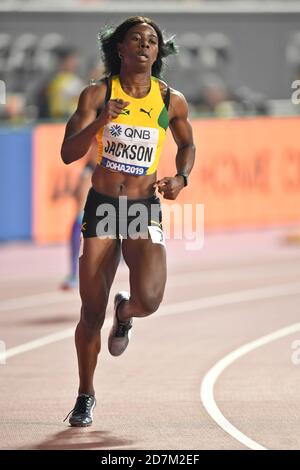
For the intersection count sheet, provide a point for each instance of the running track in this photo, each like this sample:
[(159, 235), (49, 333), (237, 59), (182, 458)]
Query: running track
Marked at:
[(212, 369)]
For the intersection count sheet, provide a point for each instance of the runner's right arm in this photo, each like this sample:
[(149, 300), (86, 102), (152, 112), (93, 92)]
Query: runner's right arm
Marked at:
[(84, 125)]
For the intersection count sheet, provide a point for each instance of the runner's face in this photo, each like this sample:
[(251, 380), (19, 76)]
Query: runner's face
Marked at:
[(140, 46)]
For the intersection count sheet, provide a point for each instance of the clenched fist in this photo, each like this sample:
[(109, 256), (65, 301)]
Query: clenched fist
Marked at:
[(111, 110), (169, 186)]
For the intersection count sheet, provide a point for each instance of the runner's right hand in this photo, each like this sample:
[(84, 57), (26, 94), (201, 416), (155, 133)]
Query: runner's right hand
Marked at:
[(111, 110)]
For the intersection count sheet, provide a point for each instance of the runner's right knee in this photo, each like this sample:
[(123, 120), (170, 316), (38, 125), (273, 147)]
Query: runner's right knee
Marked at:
[(92, 318)]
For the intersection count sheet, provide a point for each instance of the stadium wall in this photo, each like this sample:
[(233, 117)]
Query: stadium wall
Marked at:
[(247, 175), (258, 40)]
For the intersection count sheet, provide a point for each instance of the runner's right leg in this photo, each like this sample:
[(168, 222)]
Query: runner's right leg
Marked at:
[(97, 269)]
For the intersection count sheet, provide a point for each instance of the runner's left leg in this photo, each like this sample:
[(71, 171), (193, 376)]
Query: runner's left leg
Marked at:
[(147, 276)]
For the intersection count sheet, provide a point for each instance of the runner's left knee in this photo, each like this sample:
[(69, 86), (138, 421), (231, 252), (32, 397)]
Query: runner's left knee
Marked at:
[(148, 303)]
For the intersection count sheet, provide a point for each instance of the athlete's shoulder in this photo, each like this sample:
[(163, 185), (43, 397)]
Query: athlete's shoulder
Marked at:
[(178, 104), (163, 87), (175, 95), (93, 95)]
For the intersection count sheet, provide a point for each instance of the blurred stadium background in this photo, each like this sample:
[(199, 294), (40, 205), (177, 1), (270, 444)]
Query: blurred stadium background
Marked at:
[(237, 60), (236, 65)]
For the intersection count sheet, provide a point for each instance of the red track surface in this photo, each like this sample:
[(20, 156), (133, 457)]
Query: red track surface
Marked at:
[(237, 289)]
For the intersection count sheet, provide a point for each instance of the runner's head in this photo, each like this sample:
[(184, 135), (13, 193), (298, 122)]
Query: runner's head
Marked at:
[(129, 40)]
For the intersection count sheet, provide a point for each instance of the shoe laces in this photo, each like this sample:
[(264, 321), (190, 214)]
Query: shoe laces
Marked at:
[(123, 328), (82, 405)]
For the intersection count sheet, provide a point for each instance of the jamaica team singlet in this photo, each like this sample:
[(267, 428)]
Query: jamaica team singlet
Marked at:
[(132, 142)]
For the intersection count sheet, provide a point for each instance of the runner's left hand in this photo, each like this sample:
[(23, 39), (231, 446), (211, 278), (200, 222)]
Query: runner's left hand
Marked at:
[(169, 186)]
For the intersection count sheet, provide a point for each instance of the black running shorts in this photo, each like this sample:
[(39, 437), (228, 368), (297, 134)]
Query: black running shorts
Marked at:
[(106, 216)]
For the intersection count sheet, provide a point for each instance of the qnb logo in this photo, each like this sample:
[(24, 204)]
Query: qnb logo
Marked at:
[(115, 130), (140, 133), (2, 353)]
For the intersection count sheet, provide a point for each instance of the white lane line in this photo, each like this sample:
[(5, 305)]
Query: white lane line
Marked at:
[(45, 298), (40, 342), (209, 380), (228, 275), (177, 280), (171, 309), (207, 386), (207, 275), (247, 295), (37, 343)]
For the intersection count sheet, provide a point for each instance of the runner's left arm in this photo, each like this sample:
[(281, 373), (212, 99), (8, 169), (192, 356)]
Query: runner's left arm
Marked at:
[(183, 135)]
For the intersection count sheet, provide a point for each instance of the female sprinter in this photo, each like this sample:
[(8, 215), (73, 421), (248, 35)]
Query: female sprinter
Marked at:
[(128, 112)]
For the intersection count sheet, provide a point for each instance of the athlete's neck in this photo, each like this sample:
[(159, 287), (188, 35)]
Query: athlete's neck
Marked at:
[(137, 80)]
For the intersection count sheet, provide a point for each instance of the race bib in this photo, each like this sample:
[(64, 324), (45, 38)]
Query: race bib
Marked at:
[(130, 149), (156, 234)]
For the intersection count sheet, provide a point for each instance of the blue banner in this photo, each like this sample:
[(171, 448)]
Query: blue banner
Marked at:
[(15, 184)]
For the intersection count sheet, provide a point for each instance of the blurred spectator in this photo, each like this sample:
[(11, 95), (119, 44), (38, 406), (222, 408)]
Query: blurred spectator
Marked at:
[(215, 99), (201, 69), (218, 100), (250, 102), (79, 194), (65, 87), (43, 81), (47, 62)]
